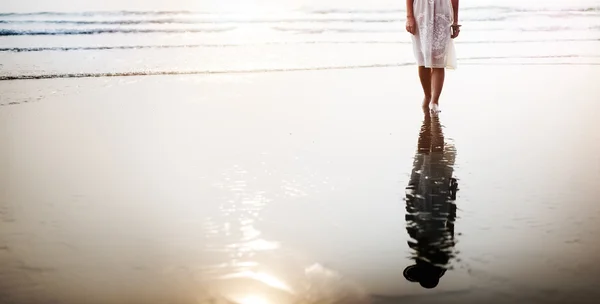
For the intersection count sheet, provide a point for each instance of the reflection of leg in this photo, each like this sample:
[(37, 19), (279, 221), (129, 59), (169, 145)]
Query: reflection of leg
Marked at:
[(425, 76), (415, 175), (437, 135), (437, 83), (423, 147), (424, 142)]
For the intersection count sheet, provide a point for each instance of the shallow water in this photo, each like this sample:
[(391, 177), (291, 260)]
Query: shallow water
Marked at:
[(191, 188), (273, 188)]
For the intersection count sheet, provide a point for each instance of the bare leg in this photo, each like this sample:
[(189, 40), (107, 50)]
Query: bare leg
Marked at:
[(425, 76), (437, 83)]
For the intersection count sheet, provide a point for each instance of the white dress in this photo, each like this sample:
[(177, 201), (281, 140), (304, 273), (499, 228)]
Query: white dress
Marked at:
[(432, 44)]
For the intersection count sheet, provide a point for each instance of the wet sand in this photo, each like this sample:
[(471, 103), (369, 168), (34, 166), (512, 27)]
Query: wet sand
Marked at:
[(185, 188)]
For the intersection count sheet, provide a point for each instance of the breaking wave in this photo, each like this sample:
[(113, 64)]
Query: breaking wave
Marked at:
[(223, 45)]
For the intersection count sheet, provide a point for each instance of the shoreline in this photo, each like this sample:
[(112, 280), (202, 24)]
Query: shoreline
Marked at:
[(281, 70)]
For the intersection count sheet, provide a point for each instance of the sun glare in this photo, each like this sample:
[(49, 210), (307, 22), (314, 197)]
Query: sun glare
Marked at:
[(253, 299), (263, 278), (241, 7)]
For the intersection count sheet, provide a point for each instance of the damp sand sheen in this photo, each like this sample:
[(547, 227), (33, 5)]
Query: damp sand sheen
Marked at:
[(236, 166)]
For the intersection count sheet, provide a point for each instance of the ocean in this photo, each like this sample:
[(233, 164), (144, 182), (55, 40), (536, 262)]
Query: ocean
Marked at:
[(119, 38)]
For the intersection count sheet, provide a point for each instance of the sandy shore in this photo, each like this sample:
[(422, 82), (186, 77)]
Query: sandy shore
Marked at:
[(155, 186)]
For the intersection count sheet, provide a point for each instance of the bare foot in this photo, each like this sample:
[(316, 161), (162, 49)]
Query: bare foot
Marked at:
[(434, 107)]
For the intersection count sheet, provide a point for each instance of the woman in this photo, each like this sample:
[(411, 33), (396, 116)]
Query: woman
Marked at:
[(433, 24)]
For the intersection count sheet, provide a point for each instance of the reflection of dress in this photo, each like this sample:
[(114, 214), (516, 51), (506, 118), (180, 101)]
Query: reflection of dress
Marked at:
[(430, 198), (432, 44)]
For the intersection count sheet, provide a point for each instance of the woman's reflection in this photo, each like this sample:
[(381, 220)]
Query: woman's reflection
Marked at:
[(430, 208)]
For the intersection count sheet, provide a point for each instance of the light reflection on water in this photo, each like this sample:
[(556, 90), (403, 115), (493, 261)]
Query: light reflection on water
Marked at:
[(430, 225), (238, 215), (180, 203), (257, 270)]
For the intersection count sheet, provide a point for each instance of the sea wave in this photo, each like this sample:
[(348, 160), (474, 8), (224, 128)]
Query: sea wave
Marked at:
[(228, 20), (224, 19), (307, 12), (299, 69), (282, 19), (464, 8), (517, 27), (196, 72), (303, 21), (103, 13), (182, 73), (296, 30), (196, 21), (273, 43), (56, 32)]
